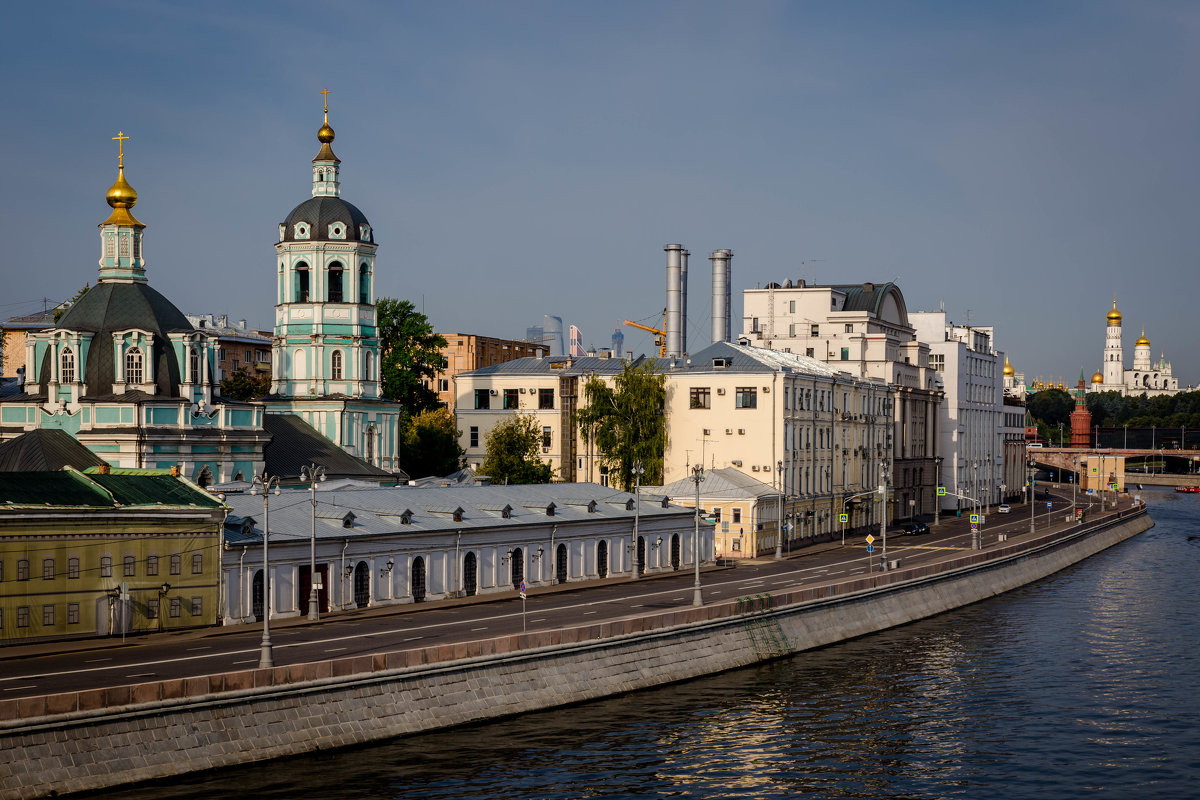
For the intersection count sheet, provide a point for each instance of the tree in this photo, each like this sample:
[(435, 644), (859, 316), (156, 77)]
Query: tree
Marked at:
[(63, 308), (1051, 406), (410, 355), (628, 422), (241, 384), (513, 452), (429, 444)]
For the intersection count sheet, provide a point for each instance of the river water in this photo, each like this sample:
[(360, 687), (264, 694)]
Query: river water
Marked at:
[(1084, 683)]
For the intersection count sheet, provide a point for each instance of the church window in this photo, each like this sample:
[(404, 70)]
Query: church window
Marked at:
[(67, 365), (124, 246), (133, 365), (369, 367), (364, 293), (370, 444), (335, 365), (337, 231), (301, 230), (299, 364), (302, 282), (137, 247), (335, 282), (110, 247), (194, 365)]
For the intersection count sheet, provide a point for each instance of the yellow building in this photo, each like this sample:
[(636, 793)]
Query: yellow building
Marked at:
[(106, 551)]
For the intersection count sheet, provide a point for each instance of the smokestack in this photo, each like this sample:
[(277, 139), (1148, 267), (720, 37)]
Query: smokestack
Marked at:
[(683, 275), (721, 309), (674, 299)]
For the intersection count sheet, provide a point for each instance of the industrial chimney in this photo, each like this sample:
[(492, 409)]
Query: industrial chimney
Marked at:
[(674, 299), (721, 309), (683, 292)]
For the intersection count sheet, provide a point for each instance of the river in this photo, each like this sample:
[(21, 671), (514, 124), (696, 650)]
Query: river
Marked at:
[(1084, 683)]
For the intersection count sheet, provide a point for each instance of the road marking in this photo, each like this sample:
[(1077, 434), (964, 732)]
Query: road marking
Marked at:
[(248, 661), (676, 599), (19, 688), (484, 628), (637, 605), (539, 619), (412, 638), (142, 675), (206, 647), (584, 613), (334, 649), (96, 660)]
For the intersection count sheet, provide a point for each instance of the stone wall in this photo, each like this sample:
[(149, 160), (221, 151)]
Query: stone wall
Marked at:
[(91, 739)]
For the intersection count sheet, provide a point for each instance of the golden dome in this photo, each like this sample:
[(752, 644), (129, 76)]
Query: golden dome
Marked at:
[(121, 194), (325, 134), (1008, 368), (1114, 316), (1142, 340), (1097, 377)]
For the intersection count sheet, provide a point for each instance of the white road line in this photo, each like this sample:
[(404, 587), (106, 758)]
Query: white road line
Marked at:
[(484, 628), (334, 649), (248, 661), (584, 613), (142, 675), (539, 619), (413, 638), (96, 660), (19, 688), (206, 647)]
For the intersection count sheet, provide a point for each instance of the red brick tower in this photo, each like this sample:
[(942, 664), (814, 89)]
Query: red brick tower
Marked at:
[(1081, 418)]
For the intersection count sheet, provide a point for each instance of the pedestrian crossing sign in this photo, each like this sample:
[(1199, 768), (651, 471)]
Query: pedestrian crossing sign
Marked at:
[(843, 517), (941, 491)]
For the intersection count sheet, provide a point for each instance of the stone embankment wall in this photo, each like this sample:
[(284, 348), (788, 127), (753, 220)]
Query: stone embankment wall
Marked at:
[(91, 739)]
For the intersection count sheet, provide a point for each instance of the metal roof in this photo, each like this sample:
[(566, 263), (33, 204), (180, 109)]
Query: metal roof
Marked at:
[(45, 449), (725, 482), (295, 444), (745, 358)]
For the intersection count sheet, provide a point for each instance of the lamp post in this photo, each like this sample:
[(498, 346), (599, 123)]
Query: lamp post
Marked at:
[(1032, 473), (311, 474), (638, 471), (779, 520), (937, 501), (1060, 434), (266, 484), (697, 476)]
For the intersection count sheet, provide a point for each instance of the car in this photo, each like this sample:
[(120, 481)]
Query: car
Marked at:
[(914, 528), (1003, 508)]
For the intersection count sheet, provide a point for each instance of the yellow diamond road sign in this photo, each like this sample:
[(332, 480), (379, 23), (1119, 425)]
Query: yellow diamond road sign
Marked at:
[(870, 538)]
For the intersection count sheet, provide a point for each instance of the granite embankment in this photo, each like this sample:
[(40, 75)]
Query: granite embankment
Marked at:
[(91, 739)]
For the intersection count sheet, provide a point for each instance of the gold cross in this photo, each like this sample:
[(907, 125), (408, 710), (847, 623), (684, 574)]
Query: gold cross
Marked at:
[(326, 93), (120, 140)]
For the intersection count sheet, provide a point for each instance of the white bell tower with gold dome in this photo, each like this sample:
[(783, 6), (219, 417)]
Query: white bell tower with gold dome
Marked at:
[(1114, 363)]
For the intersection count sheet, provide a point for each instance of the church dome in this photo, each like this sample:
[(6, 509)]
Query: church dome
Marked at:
[(1114, 316), (1142, 340), (1008, 368), (111, 307), (320, 213), (1097, 377)]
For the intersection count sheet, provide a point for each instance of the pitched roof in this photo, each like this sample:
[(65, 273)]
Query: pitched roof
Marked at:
[(130, 487), (724, 482), (295, 444), (69, 488), (745, 358), (45, 449), (562, 365)]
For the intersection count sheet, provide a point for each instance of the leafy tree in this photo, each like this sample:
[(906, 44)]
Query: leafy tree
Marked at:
[(410, 355), (65, 307), (513, 452), (429, 444), (628, 421), (1051, 406), (241, 384)]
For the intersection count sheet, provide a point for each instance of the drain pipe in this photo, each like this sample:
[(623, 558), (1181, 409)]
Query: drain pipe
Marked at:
[(241, 584), (458, 563), (342, 575), (554, 558)]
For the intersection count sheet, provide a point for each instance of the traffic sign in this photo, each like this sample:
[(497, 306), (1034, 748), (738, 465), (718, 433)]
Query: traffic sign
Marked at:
[(1049, 504), (974, 519), (974, 526), (870, 547), (843, 517), (870, 538), (941, 491), (522, 590)]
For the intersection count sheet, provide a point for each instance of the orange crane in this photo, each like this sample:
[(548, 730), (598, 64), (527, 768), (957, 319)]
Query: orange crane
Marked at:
[(660, 337)]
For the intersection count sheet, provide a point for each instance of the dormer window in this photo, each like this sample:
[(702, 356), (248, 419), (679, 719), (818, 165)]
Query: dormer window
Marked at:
[(301, 230), (364, 232), (282, 231), (337, 231), (66, 364), (348, 520), (133, 365), (406, 517)]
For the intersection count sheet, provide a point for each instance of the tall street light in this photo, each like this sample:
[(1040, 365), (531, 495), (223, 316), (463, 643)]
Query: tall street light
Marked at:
[(779, 521), (266, 484), (937, 501), (638, 471), (311, 474), (697, 476)]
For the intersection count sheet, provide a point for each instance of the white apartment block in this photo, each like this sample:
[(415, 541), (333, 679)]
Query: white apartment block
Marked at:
[(864, 330), (972, 422)]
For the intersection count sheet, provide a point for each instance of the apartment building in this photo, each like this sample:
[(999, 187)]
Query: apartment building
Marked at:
[(467, 351), (237, 345)]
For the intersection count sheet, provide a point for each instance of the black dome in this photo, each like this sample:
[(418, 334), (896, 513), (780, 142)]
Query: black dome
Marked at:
[(110, 307), (320, 213)]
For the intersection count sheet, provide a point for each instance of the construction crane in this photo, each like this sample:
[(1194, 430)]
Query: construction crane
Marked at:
[(660, 337)]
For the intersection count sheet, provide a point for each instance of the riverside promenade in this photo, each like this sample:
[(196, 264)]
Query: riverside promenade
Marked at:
[(92, 714)]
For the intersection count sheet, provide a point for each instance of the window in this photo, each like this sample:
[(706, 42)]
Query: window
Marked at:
[(716, 515), (151, 565), (364, 294), (700, 397), (335, 365), (474, 436), (67, 365), (176, 564), (72, 613), (791, 306), (105, 566), (152, 608), (48, 614), (746, 397), (47, 569), (937, 362), (197, 563), (22, 569), (73, 567), (808, 351), (197, 606), (545, 398), (546, 436), (133, 365), (335, 282), (849, 328), (483, 399), (368, 366), (130, 566), (302, 282), (737, 516), (845, 354), (816, 330), (1, 569), (443, 384), (177, 606), (194, 365), (511, 401), (792, 329), (22, 616)]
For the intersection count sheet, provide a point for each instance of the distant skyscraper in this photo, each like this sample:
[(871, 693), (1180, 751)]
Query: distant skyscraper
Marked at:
[(618, 343), (577, 342), (552, 334), (535, 334)]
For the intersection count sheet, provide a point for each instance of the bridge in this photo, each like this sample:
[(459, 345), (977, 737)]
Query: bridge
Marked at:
[(1069, 459)]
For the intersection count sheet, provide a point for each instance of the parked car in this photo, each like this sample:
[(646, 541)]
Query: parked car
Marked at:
[(1003, 508), (914, 528)]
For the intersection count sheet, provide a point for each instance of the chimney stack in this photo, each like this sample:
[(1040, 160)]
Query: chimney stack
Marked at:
[(674, 299), (683, 297), (721, 308)]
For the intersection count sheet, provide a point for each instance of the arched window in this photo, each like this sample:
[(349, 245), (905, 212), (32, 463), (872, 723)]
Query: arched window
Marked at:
[(369, 366), (675, 551), (602, 558), (470, 575), (418, 579), (335, 365), (133, 365), (370, 444), (335, 282), (516, 567), (302, 285), (205, 478), (560, 564), (362, 585), (66, 363), (194, 365), (364, 288), (299, 364)]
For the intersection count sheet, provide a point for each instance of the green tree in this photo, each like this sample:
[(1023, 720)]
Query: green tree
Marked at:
[(1051, 406), (241, 384), (65, 307), (628, 422), (410, 355), (429, 444), (513, 452)]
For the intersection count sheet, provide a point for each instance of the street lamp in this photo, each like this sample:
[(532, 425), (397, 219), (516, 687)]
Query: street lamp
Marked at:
[(311, 474), (937, 502), (779, 520), (1032, 473), (638, 471), (697, 476), (267, 484)]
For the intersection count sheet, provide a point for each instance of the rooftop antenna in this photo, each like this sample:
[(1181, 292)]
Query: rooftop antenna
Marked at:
[(809, 261)]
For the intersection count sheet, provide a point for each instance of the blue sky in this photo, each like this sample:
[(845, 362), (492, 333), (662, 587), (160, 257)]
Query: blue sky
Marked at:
[(1018, 162)]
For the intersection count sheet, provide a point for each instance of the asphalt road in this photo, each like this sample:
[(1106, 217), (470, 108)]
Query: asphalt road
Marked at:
[(28, 670)]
